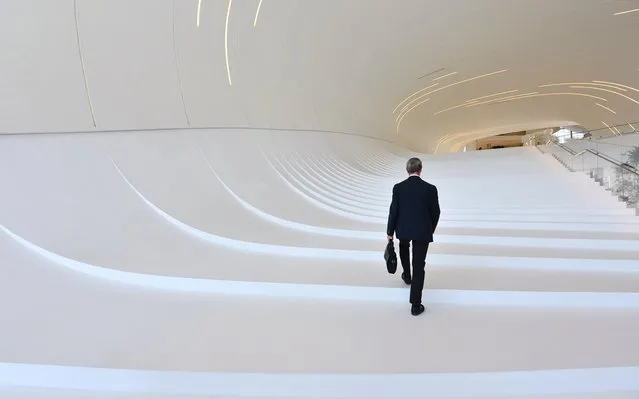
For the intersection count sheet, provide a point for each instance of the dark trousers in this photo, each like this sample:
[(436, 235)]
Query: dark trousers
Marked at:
[(420, 249)]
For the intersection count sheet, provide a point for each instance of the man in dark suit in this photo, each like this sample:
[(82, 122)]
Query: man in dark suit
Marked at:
[(413, 216)]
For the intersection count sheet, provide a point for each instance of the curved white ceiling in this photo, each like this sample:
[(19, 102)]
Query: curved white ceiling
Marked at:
[(331, 65)]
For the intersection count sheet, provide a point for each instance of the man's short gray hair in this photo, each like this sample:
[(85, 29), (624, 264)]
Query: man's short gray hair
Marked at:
[(414, 165)]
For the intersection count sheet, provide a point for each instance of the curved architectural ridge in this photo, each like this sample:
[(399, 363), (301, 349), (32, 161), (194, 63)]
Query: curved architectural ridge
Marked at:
[(340, 170), (525, 242), (555, 383), (288, 223), (500, 299), (349, 209), (358, 188), (252, 246), (320, 204), (351, 195), (193, 285), (330, 199)]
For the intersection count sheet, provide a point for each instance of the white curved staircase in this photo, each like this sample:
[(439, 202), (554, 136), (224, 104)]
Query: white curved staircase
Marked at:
[(248, 264)]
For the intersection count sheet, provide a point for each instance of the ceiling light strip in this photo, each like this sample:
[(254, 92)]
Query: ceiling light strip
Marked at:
[(609, 91), (583, 84), (618, 84), (491, 95), (496, 100), (517, 97), (531, 95), (450, 137), (634, 129), (257, 13), (604, 85), (626, 12), (450, 109), (438, 144), (455, 84), (463, 137), (226, 42), (466, 104), (608, 126), (563, 94), (199, 9), (408, 105), (444, 76), (606, 108), (447, 86), (458, 83), (399, 122)]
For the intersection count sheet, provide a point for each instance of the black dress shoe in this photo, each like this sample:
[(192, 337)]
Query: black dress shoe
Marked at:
[(416, 310), (407, 280)]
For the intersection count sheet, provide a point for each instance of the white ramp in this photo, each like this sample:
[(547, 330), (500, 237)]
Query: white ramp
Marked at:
[(201, 264)]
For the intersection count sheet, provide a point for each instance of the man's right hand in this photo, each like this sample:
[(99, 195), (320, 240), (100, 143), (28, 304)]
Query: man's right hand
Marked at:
[(390, 238)]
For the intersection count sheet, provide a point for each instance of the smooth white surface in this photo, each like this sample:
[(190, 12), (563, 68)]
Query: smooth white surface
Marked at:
[(513, 384), (327, 65), (201, 264)]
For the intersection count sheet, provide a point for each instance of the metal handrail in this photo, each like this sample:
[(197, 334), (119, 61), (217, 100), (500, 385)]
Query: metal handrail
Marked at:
[(622, 165), (624, 125), (633, 125)]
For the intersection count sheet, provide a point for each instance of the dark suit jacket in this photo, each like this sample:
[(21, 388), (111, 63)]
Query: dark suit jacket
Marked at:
[(414, 210)]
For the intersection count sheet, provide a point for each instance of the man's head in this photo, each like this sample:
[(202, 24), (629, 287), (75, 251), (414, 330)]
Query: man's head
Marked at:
[(414, 166)]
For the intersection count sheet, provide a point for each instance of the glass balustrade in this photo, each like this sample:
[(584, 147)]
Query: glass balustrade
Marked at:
[(612, 162)]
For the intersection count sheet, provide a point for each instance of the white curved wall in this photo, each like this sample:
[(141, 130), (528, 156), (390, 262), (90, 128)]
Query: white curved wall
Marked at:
[(40, 72), (148, 66), (130, 63), (314, 65)]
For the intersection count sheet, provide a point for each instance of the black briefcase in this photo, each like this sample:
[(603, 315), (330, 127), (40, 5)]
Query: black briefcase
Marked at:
[(390, 257)]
